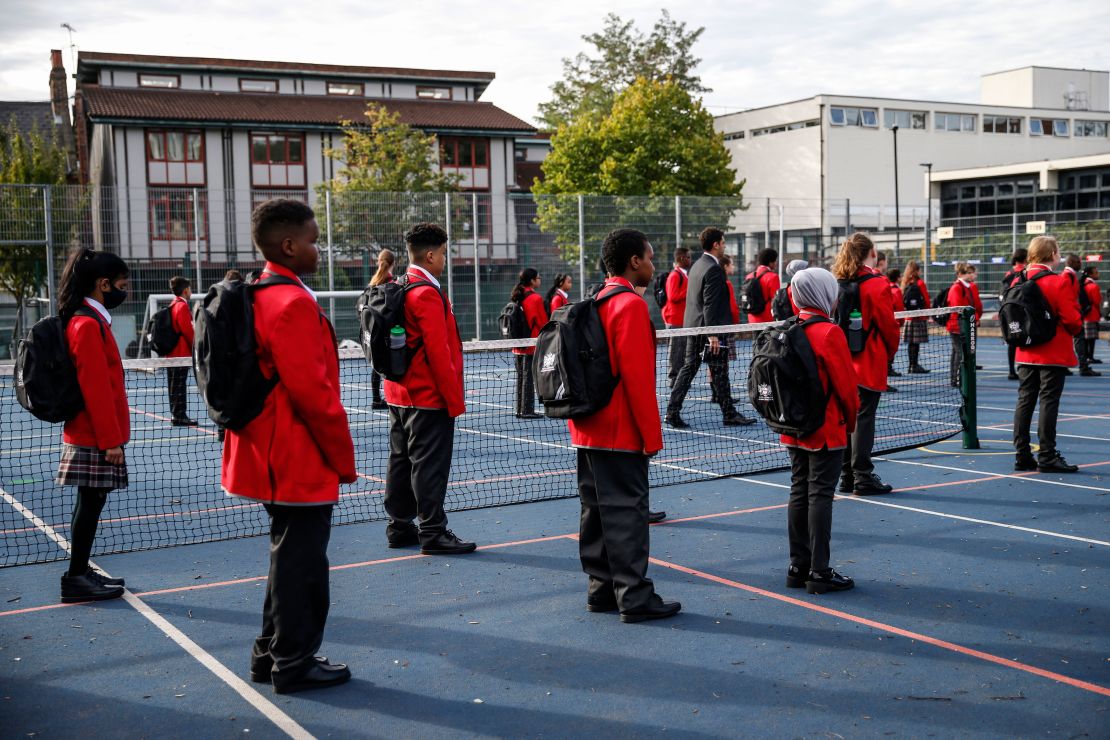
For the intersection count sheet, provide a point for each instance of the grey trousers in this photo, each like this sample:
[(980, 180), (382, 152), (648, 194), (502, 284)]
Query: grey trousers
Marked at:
[(857, 455), (420, 445), (809, 514), (718, 376), (1044, 383), (676, 356)]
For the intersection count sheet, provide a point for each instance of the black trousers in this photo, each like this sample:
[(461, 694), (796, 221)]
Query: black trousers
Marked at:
[(1081, 351), (857, 455), (1044, 383), (955, 359), (86, 516), (1011, 357), (1091, 349), (676, 356), (718, 377), (525, 390), (176, 380), (375, 385), (420, 446), (809, 514), (613, 534), (297, 594)]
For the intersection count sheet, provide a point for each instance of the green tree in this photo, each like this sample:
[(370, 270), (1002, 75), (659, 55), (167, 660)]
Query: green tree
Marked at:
[(389, 171), (621, 55), (657, 142)]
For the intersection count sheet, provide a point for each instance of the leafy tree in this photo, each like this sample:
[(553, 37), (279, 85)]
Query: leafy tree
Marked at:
[(388, 174), (621, 55), (656, 143)]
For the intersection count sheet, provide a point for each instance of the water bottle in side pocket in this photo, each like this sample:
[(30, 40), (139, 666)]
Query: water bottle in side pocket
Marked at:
[(398, 361), (855, 332)]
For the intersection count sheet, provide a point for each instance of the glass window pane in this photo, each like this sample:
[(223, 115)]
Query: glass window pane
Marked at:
[(836, 116), (1088, 181), (465, 155), (1025, 187), (917, 120), (1035, 127), (194, 142), (266, 86), (277, 149), (986, 191), (1060, 128), (1024, 205), (296, 155), (968, 123), (890, 118), (1015, 125), (156, 142), (870, 118), (967, 192), (258, 149), (447, 152), (175, 145), (480, 153)]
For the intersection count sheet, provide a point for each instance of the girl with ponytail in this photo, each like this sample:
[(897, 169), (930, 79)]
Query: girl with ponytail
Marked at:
[(531, 303), (558, 295), (386, 260)]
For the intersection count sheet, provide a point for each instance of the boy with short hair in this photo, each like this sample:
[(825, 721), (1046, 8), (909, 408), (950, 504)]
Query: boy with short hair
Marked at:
[(295, 453), (424, 404), (678, 281), (615, 444), (177, 377)]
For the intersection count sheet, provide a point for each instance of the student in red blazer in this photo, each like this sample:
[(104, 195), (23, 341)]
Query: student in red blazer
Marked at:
[(730, 270), (915, 296), (816, 459), (1017, 266), (424, 404), (1090, 287), (535, 316), (384, 274), (177, 377), (893, 275), (856, 261), (1043, 368), (92, 459), (768, 278), (558, 295), (678, 281), (963, 292), (615, 444), (293, 455)]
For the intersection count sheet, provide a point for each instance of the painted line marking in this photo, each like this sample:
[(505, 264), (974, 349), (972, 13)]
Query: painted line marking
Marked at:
[(1001, 475), (936, 642)]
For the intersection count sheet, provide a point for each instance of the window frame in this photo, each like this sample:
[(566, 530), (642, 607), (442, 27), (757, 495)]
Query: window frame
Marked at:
[(166, 195), (276, 83), (455, 141), (425, 88), (360, 94), (201, 158), (1008, 123), (286, 136), (962, 118), (891, 118), (1082, 124), (175, 86)]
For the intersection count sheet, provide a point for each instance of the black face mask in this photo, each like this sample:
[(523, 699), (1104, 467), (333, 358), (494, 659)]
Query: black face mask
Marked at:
[(114, 298)]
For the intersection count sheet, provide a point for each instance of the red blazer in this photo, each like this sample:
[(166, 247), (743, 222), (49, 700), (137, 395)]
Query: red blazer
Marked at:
[(1095, 294), (1073, 280), (183, 324), (105, 421), (630, 422), (1059, 350), (769, 283), (675, 310), (535, 315), (299, 449), (732, 305), (899, 301), (434, 379), (558, 301), (838, 378), (877, 308), (958, 296), (926, 300)]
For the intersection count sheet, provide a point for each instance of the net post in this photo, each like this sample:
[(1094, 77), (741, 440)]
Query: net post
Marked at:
[(331, 257), (677, 221), (48, 232), (969, 414), (477, 269), (581, 250)]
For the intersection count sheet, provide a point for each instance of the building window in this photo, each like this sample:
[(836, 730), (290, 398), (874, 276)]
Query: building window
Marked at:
[(903, 119), (734, 136), (433, 93), (1001, 124), (277, 160), (462, 218), (175, 157), (162, 81), (1094, 129), (1048, 127), (955, 122), (172, 214), (258, 86), (351, 89), (865, 117), (520, 154), (459, 152)]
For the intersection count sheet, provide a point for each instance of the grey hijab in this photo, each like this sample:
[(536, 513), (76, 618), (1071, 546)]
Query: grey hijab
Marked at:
[(815, 287), (794, 267)]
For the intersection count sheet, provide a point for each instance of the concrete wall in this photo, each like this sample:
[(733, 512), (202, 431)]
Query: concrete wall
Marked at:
[(1014, 87), (1048, 87)]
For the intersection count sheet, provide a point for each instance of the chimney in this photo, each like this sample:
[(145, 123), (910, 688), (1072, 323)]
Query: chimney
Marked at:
[(59, 106)]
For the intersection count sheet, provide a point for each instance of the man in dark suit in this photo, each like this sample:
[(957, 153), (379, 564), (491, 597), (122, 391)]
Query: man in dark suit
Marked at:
[(707, 304)]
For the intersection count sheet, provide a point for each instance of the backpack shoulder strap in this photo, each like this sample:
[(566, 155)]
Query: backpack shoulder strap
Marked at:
[(92, 314), (268, 278), (408, 285), (619, 289)]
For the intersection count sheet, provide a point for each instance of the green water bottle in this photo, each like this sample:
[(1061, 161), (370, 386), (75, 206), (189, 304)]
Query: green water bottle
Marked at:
[(398, 361), (855, 332)]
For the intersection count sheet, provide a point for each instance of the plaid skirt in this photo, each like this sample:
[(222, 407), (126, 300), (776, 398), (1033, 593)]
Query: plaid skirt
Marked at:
[(86, 466), (916, 331), (1090, 330)]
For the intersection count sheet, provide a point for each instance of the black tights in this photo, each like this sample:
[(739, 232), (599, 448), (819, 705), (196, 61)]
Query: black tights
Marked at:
[(915, 353), (86, 515)]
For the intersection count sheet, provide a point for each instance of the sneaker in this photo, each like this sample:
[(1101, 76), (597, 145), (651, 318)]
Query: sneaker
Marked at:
[(1025, 462), (676, 421), (104, 580), (1057, 465), (796, 576), (83, 588), (830, 580), (446, 543)]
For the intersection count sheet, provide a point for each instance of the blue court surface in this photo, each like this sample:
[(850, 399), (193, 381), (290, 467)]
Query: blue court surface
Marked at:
[(980, 610)]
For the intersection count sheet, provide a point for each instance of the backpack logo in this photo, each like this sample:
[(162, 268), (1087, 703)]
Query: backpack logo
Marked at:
[(1015, 327), (549, 361), (765, 392)]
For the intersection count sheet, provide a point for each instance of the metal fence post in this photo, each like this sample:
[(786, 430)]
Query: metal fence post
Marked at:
[(331, 255), (196, 236), (1013, 234), (581, 250), (782, 244), (477, 270), (677, 221), (48, 222), (767, 227), (447, 228)]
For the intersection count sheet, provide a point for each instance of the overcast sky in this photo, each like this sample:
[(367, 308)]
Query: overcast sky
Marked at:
[(754, 53)]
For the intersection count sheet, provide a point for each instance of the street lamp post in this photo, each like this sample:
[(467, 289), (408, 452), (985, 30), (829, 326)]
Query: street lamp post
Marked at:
[(928, 218), (897, 210)]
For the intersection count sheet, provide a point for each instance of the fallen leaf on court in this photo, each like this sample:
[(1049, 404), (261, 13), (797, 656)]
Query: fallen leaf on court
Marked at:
[(179, 696), (479, 701), (12, 601)]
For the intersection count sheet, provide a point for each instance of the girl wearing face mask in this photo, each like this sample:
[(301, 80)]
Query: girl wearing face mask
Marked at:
[(93, 283)]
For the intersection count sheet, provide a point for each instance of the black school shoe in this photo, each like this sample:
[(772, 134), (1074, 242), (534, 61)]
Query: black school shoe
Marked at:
[(1025, 462), (847, 483), (83, 588), (104, 580), (1087, 372), (892, 373), (796, 576), (446, 543), (873, 487), (601, 604), (657, 609), (738, 420), (654, 517), (1057, 465), (319, 675), (260, 671), (1012, 376), (379, 405), (184, 421), (830, 580), (402, 537), (918, 370), (676, 421)]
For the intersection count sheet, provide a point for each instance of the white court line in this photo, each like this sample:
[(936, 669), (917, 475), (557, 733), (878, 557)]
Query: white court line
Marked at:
[(283, 721), (996, 475)]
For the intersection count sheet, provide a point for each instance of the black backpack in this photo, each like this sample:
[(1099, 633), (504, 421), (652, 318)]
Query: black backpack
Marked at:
[(659, 289), (380, 308), (941, 301), (572, 372), (512, 321), (1084, 299), (751, 292), (913, 297), (783, 383), (45, 378), (161, 335), (225, 353), (781, 307), (1025, 316), (848, 301)]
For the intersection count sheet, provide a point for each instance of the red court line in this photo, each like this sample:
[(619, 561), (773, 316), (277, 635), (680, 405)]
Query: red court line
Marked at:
[(962, 650)]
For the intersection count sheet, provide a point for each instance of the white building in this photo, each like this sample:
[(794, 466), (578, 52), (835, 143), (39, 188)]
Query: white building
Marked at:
[(832, 149)]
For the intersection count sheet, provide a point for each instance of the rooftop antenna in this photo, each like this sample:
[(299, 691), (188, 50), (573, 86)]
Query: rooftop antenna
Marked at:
[(72, 57)]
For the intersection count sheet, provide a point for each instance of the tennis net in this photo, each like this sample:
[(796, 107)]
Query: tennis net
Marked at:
[(174, 496)]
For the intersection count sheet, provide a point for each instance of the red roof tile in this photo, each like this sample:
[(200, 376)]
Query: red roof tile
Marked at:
[(204, 107)]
